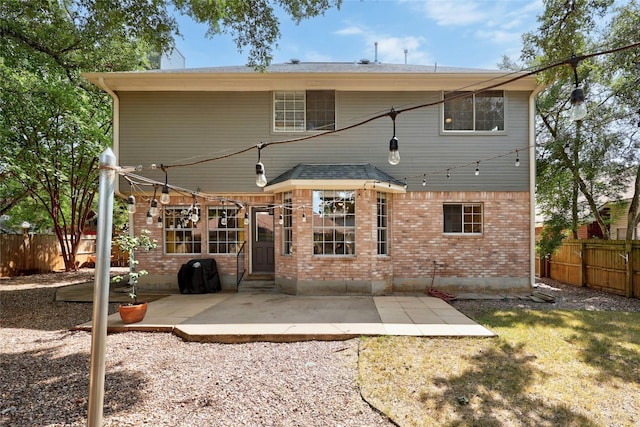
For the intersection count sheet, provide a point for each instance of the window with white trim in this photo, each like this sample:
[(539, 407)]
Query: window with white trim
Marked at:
[(287, 223), (463, 218), (383, 246), (482, 111), (225, 229), (181, 234), (300, 111), (334, 222)]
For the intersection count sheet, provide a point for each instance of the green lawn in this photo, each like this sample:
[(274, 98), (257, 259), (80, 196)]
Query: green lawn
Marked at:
[(546, 368)]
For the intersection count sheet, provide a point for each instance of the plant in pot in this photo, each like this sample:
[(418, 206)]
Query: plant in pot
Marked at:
[(134, 311)]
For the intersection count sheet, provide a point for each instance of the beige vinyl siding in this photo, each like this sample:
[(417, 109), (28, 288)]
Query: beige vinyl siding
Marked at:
[(180, 127)]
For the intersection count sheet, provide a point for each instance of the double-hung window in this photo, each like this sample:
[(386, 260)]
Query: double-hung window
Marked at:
[(226, 230), (334, 222), (181, 234), (300, 111), (383, 216), (463, 218), (287, 223), (465, 111)]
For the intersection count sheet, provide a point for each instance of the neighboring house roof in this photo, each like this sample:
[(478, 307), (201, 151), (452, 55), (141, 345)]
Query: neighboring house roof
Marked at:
[(373, 76), (335, 176)]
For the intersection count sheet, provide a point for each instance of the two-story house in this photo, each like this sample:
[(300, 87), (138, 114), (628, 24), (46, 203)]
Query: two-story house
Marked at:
[(296, 170)]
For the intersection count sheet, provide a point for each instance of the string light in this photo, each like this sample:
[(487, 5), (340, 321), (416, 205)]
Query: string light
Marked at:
[(304, 217), (394, 154), (149, 218), (261, 176), (517, 159), (160, 222), (424, 180), (131, 203), (153, 209), (281, 219), (246, 218), (477, 168), (448, 173), (164, 197), (578, 104)]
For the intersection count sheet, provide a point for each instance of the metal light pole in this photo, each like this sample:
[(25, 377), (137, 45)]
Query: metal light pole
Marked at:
[(101, 288)]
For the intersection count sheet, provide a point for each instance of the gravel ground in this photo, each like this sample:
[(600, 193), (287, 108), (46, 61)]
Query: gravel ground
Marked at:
[(158, 380)]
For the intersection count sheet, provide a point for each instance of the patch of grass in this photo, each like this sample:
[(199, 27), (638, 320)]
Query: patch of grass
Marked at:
[(546, 368)]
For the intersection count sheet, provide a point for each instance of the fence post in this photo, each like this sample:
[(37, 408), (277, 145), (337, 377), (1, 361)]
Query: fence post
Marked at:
[(628, 276), (583, 265)]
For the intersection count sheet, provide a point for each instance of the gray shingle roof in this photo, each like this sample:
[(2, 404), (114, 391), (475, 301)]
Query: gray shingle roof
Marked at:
[(331, 67), (362, 171)]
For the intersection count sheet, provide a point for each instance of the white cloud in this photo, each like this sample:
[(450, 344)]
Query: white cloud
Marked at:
[(462, 12), (390, 48), (349, 31)]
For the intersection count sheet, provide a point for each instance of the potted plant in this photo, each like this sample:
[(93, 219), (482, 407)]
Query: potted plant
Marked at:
[(134, 311)]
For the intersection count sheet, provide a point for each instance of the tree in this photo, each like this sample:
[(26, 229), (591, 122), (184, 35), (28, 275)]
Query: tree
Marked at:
[(53, 124), (579, 163)]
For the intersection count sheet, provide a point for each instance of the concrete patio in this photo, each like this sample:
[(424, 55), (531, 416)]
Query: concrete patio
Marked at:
[(231, 317)]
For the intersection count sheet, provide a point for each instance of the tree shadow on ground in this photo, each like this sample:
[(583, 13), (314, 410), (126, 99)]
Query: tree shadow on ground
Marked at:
[(493, 392), (42, 387), (606, 340)]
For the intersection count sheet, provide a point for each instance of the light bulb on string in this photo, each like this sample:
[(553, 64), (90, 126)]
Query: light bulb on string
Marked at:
[(517, 159), (164, 196), (477, 168), (131, 204), (304, 217), (424, 180), (159, 222), (261, 175), (281, 219), (394, 154), (149, 218), (247, 221), (223, 219), (578, 104), (448, 174)]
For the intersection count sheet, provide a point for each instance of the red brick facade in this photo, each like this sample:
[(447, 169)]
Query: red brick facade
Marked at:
[(496, 260)]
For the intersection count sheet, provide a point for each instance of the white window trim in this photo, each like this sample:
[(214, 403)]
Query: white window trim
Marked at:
[(463, 233), (475, 132), (285, 132)]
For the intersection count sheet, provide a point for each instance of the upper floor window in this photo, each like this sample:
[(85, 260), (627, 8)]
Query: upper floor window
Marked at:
[(482, 111), (334, 222), (226, 230), (181, 234), (300, 111), (463, 218)]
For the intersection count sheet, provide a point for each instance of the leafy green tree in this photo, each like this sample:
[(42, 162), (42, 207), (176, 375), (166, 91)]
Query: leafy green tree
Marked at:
[(53, 124), (580, 163)]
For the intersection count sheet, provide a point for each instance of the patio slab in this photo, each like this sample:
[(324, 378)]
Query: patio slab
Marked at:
[(229, 317)]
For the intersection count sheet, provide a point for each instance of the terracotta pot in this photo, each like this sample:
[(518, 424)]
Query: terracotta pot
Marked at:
[(132, 313)]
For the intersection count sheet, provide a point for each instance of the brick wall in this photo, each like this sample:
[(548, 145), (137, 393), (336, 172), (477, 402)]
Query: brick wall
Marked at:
[(497, 259)]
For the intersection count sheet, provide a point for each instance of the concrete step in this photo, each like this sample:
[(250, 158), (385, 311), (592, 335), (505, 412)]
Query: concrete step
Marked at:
[(257, 283)]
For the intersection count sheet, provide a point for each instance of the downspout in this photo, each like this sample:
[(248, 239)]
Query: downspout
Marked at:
[(115, 114), (532, 184)]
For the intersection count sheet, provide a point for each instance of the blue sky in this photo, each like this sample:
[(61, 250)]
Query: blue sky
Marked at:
[(455, 33)]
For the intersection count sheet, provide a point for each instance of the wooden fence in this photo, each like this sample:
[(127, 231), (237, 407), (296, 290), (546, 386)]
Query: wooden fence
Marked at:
[(37, 253), (609, 265)]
